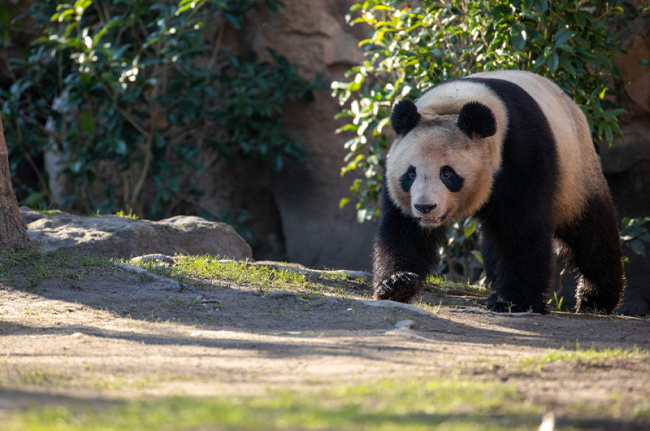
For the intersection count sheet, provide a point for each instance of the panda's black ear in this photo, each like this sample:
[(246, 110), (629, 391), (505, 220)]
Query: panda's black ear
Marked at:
[(405, 116), (476, 118)]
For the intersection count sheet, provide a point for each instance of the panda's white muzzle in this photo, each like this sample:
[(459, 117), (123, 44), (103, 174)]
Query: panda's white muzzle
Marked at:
[(428, 214)]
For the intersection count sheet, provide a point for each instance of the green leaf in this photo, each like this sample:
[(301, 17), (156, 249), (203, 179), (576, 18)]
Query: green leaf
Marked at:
[(609, 136), (469, 227), (601, 95), (518, 37), (477, 254), (80, 6), (637, 247), (541, 5), (66, 15), (539, 62), (553, 62), (87, 121), (565, 64), (563, 36)]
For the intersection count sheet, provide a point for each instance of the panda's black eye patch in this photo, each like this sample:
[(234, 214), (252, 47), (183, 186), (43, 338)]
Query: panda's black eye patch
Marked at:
[(451, 179), (407, 179)]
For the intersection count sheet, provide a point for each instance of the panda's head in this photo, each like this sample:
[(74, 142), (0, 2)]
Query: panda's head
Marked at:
[(439, 167)]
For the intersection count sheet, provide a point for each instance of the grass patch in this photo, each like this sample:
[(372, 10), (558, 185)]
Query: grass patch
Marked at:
[(41, 377), (130, 214), (36, 265), (204, 270), (440, 284), (382, 405), (587, 358)]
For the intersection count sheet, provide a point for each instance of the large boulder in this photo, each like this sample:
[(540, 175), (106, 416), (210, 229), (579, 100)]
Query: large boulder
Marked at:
[(115, 236)]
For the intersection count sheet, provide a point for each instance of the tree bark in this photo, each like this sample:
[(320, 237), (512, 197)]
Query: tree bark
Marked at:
[(13, 232)]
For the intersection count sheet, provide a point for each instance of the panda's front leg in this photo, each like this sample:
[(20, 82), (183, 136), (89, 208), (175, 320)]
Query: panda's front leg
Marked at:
[(404, 254)]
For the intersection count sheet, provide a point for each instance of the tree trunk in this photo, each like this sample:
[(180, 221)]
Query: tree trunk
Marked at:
[(13, 232)]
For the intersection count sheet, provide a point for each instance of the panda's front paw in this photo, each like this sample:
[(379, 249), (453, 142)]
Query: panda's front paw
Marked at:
[(402, 287)]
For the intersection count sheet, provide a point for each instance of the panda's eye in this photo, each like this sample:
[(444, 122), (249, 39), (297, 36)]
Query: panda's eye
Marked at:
[(451, 179), (411, 173), (407, 179)]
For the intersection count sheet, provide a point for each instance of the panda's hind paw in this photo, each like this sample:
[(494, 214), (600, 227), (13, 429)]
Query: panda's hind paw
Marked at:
[(401, 287)]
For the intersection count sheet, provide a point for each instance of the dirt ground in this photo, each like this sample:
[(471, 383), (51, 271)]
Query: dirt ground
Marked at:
[(112, 334)]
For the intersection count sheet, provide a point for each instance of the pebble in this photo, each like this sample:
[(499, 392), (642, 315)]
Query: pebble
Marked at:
[(405, 324)]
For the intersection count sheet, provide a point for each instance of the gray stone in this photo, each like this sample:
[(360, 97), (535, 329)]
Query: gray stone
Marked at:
[(157, 258), (29, 215), (279, 294), (405, 324), (120, 237), (327, 303)]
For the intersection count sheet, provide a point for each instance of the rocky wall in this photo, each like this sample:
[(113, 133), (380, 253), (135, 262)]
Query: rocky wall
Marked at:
[(627, 162), (314, 36)]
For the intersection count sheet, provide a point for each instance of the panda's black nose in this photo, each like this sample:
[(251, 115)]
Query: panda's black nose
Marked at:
[(425, 209)]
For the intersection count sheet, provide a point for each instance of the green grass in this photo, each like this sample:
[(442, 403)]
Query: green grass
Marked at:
[(130, 214), (38, 265), (206, 269), (587, 358), (444, 286), (40, 377), (382, 405)]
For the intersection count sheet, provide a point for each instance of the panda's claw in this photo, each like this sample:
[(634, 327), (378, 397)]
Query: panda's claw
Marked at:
[(402, 287), (384, 289)]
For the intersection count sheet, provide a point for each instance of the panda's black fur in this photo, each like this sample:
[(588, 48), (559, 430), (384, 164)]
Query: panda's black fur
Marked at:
[(518, 225), (404, 117), (476, 118)]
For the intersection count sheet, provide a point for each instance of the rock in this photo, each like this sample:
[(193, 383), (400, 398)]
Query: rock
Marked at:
[(159, 259), (315, 37), (405, 324), (120, 237), (279, 294), (327, 303), (29, 215), (170, 283)]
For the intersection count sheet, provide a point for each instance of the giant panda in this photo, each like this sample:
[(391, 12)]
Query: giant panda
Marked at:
[(510, 148)]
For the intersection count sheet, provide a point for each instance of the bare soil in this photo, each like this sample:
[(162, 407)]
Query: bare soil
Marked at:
[(112, 333)]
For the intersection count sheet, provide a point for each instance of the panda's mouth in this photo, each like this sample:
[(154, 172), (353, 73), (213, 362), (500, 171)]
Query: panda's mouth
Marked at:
[(433, 221)]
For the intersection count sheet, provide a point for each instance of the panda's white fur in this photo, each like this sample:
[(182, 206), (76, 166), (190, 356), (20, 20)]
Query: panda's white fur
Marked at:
[(578, 165)]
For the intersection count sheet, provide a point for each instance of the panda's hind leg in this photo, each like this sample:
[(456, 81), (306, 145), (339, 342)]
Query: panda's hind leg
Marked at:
[(517, 265), (591, 243)]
